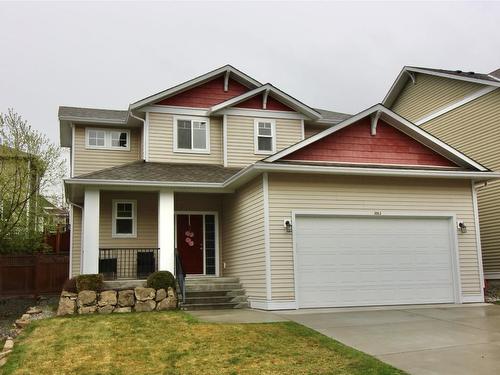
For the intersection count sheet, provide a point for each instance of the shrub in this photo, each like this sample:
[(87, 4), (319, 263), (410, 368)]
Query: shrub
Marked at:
[(70, 285), (161, 280), (89, 282)]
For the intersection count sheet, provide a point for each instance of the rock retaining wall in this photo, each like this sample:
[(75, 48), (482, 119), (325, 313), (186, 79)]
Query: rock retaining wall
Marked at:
[(117, 301)]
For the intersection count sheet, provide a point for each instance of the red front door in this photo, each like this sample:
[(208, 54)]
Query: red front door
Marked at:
[(190, 242)]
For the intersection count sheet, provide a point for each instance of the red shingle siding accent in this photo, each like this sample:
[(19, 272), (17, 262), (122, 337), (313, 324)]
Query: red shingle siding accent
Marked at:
[(207, 94), (355, 144), (256, 103)]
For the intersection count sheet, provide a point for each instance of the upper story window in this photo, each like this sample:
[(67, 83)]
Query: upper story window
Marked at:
[(191, 134), (265, 136), (124, 218), (107, 139)]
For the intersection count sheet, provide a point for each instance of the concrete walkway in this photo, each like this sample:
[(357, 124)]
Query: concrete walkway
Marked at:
[(420, 340)]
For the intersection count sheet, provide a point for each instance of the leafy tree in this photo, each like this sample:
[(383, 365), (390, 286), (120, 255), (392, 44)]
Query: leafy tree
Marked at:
[(29, 166)]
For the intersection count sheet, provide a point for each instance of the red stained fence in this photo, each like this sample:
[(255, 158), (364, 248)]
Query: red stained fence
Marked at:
[(33, 274)]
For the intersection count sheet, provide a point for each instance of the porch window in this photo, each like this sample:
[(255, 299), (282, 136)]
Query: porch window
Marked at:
[(264, 137), (108, 139), (124, 218), (191, 135)]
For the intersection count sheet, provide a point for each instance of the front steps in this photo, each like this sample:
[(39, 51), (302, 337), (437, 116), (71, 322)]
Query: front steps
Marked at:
[(207, 293)]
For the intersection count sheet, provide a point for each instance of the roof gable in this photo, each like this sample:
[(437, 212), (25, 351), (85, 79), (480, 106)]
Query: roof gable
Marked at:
[(355, 145), (257, 101), (379, 113)]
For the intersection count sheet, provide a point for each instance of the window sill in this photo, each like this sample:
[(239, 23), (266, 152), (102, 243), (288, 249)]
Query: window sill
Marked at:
[(265, 152), (123, 235), (181, 151), (107, 148)]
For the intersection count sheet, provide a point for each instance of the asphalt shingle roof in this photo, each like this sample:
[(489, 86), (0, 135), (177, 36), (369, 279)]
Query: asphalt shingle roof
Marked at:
[(93, 113), (459, 73), (334, 117), (162, 172)]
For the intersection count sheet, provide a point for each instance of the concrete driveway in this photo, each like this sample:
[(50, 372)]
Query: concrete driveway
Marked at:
[(420, 340)]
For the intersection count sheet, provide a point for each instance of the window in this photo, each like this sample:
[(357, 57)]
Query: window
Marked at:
[(264, 137), (108, 139), (124, 219), (191, 135)]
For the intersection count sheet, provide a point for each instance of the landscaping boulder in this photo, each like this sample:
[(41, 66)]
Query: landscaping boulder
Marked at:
[(148, 305), (126, 298), (21, 323), (86, 298), (87, 309), (67, 306), (107, 309), (123, 309), (34, 310), (144, 294), (161, 294), (107, 297), (169, 303), (9, 344), (69, 294)]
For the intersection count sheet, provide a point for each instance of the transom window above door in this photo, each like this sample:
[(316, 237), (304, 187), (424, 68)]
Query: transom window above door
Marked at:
[(107, 139), (191, 135), (265, 136)]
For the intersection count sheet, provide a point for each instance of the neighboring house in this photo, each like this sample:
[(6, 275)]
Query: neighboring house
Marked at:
[(463, 110), (246, 181)]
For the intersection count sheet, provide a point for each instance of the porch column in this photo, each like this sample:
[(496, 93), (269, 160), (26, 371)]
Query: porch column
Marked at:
[(91, 231), (166, 230)]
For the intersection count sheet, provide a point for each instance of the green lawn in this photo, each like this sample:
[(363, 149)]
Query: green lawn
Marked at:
[(175, 343)]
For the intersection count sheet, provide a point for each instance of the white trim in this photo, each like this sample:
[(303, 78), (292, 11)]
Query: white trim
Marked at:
[(107, 139), (71, 234), (458, 103), (115, 203), (400, 123), (457, 289), (492, 276), (195, 82), (90, 249), (183, 111), (272, 305), (93, 120), (246, 112), (478, 234), (267, 235), (72, 153), (256, 136), (282, 96), (224, 138), (473, 299), (146, 137), (452, 76), (216, 223), (302, 130), (166, 230), (176, 148)]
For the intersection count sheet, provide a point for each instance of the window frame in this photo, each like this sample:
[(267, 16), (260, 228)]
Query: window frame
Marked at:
[(114, 210), (191, 150), (256, 136), (107, 139)]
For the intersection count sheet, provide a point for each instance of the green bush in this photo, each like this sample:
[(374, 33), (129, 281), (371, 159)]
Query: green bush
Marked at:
[(161, 280), (89, 282), (70, 285)]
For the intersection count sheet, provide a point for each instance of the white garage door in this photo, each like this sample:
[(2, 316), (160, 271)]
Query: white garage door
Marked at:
[(364, 261)]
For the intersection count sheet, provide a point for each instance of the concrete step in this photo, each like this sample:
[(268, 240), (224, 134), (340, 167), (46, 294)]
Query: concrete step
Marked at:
[(209, 280), (204, 287), (214, 306), (216, 293), (211, 300)]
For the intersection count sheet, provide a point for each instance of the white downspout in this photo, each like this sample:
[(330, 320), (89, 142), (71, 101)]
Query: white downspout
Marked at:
[(475, 188)]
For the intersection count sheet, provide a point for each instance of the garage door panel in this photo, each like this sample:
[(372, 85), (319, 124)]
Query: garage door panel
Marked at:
[(353, 261)]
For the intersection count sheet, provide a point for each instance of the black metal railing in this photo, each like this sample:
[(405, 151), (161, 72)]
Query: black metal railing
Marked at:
[(128, 263), (179, 274)]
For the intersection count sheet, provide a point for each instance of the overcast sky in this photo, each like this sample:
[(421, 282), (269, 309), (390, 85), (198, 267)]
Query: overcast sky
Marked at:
[(337, 56)]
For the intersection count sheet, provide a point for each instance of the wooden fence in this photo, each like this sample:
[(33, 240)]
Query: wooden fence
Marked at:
[(33, 274)]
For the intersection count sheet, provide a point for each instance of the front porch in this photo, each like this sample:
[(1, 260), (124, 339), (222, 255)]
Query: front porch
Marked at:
[(130, 234)]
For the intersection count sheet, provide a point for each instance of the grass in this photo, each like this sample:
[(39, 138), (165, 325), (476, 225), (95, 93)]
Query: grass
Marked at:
[(176, 343)]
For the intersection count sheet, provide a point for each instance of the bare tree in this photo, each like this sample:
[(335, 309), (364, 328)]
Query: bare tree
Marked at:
[(29, 166)]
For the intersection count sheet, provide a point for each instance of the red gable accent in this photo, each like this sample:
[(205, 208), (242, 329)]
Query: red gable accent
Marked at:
[(207, 94), (256, 103), (355, 144)]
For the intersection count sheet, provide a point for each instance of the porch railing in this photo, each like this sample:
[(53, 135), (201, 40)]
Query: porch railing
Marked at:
[(128, 263), (180, 276)]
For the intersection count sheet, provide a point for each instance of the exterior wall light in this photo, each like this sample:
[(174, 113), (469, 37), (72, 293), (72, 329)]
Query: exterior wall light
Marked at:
[(287, 223), (462, 227)]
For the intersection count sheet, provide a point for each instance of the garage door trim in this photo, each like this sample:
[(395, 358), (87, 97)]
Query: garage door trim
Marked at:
[(383, 214)]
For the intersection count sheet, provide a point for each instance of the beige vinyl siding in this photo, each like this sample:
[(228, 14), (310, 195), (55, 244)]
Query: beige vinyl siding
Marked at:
[(76, 238), (474, 129), (240, 139), (161, 142), (91, 160), (243, 238), (311, 129), (313, 192), (147, 220), (429, 94)]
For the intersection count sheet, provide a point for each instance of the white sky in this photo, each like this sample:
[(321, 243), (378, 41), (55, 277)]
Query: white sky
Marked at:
[(337, 56)]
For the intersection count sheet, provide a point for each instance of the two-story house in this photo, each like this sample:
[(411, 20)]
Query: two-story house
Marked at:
[(223, 176), (462, 109)]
